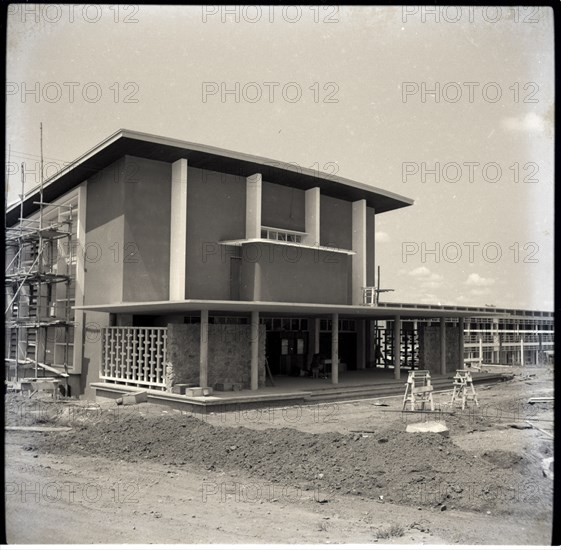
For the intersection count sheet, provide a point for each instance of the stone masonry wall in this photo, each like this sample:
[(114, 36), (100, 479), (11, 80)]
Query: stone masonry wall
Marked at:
[(429, 349), (229, 354)]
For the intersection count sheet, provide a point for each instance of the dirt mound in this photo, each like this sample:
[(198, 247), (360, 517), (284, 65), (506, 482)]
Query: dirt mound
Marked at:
[(420, 470), (506, 459)]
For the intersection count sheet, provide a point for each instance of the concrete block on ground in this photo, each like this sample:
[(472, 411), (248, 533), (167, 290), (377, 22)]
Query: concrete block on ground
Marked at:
[(428, 427), (223, 386), (198, 391), (547, 467), (237, 387), (132, 398), (181, 388)]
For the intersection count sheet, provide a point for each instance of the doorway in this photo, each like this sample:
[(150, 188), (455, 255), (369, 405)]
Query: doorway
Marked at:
[(287, 352)]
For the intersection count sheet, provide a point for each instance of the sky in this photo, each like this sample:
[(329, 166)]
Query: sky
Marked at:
[(452, 107)]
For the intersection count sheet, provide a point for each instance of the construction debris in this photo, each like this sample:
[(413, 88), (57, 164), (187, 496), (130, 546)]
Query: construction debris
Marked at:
[(520, 426), (547, 467), (540, 399), (428, 427), (198, 392), (37, 428), (33, 385), (224, 386), (133, 398), (181, 388)]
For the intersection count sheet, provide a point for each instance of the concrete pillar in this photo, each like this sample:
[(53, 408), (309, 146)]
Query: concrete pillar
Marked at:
[(312, 212), (335, 348), (359, 247), (79, 316), (254, 350), (253, 207), (442, 345), (522, 351), (461, 341), (373, 333), (361, 344), (178, 235), (313, 338), (397, 347), (481, 349), (203, 356), (316, 335)]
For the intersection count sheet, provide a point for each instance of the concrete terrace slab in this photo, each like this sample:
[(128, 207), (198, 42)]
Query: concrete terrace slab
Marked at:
[(291, 391)]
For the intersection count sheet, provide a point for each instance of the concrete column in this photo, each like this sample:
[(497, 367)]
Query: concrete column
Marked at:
[(313, 340), (442, 345), (316, 335), (335, 348), (481, 349), (178, 234), (372, 326), (254, 350), (522, 351), (397, 346), (312, 212), (359, 246), (368, 343), (361, 344), (461, 341), (203, 356), (79, 316), (253, 207)]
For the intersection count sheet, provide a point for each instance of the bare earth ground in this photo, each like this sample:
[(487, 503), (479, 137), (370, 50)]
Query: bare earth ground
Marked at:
[(333, 472)]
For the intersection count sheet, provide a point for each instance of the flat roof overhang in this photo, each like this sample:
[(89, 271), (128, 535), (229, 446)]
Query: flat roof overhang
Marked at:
[(139, 144), (286, 308)]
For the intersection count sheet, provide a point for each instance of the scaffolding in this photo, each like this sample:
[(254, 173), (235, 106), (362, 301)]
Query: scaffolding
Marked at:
[(38, 273)]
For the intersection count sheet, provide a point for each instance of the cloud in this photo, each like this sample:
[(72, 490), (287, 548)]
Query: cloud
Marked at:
[(477, 280), (480, 291), (431, 284), (531, 122), (382, 237), (420, 271), (427, 278)]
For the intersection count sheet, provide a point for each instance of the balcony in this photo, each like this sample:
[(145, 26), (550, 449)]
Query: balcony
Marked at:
[(286, 237), (282, 235)]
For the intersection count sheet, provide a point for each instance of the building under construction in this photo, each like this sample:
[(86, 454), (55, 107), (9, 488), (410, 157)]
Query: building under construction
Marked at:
[(153, 263)]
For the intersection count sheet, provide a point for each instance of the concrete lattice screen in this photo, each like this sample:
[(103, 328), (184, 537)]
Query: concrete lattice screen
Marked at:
[(135, 355)]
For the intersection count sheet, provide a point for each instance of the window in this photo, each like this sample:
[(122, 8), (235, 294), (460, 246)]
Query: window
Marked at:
[(283, 235), (285, 324)]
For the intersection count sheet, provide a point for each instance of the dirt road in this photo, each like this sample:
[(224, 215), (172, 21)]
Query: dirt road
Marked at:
[(296, 475)]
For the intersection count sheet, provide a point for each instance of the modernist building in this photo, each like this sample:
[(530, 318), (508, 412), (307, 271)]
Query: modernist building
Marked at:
[(150, 262)]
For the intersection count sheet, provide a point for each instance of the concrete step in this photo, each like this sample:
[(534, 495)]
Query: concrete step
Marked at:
[(388, 389)]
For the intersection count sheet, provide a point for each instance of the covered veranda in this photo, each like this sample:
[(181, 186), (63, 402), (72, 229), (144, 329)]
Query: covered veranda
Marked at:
[(364, 315)]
